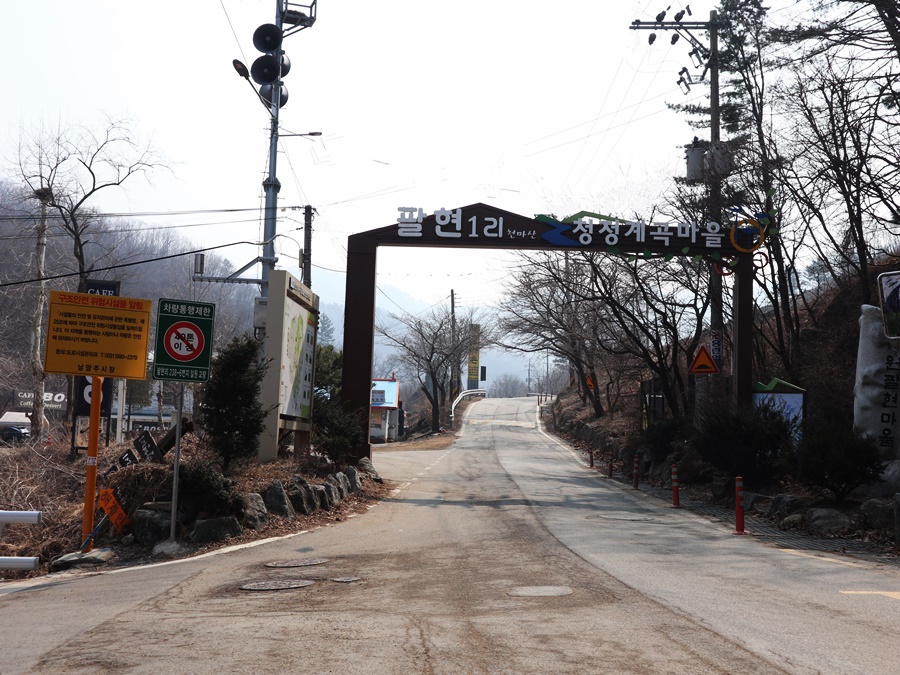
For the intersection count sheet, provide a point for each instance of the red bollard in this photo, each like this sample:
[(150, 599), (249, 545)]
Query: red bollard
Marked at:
[(676, 500), (635, 476), (739, 506)]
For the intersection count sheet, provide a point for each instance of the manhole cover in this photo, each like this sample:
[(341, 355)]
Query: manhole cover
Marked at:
[(541, 591), (302, 562), (276, 584), (346, 580), (629, 518)]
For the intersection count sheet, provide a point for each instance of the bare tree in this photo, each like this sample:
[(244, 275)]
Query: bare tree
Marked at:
[(76, 164), (427, 343), (507, 385)]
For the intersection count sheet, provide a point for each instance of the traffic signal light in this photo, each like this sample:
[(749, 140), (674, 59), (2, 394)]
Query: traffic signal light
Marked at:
[(269, 68)]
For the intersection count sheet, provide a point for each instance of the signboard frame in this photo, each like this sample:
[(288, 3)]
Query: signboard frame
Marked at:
[(100, 335), (183, 327)]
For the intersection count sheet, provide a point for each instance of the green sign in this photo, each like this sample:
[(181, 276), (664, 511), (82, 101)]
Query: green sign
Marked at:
[(184, 335)]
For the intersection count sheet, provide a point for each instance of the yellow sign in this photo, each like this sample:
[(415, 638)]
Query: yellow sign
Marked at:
[(114, 510), (473, 366), (102, 335), (703, 363)]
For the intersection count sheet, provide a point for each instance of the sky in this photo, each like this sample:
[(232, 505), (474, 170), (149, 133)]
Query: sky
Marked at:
[(532, 107)]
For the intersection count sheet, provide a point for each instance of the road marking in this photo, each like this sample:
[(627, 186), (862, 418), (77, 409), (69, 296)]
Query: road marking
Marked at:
[(846, 563), (889, 594)]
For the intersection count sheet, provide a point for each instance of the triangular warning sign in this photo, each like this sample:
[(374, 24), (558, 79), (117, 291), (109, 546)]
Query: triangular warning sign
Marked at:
[(703, 364)]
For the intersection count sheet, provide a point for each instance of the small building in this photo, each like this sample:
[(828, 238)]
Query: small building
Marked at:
[(385, 411)]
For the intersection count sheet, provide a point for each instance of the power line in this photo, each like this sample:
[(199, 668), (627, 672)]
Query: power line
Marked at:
[(131, 264), (131, 229), (146, 214)]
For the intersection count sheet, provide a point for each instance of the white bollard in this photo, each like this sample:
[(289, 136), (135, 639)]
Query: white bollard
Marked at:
[(16, 563), (20, 517)]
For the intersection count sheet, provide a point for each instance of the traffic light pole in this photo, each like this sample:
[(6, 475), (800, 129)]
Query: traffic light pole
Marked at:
[(271, 184)]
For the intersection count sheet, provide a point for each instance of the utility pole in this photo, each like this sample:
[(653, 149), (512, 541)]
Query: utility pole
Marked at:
[(307, 245), (742, 329), (454, 364)]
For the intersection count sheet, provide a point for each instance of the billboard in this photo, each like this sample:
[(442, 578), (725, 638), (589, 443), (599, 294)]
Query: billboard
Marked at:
[(290, 321)]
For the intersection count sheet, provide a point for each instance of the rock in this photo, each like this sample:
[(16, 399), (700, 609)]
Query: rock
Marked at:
[(877, 514), (365, 465), (216, 529), (793, 521), (301, 495), (128, 540), (692, 470), (255, 514), (827, 521), (354, 479), (344, 481), (886, 487), (754, 502), (784, 505), (340, 481), (277, 501), (334, 495), (78, 559), (170, 548), (322, 497), (149, 527), (722, 490)]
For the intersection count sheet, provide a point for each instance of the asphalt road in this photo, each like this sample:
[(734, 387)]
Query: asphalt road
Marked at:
[(502, 554)]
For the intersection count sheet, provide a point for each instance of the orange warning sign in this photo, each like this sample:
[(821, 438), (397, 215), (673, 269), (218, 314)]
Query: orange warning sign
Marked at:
[(703, 363), (114, 510)]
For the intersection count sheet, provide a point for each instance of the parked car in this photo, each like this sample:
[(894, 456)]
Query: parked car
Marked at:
[(13, 435)]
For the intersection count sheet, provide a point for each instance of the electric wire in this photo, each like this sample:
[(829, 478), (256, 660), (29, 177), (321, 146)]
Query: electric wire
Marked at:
[(67, 275)]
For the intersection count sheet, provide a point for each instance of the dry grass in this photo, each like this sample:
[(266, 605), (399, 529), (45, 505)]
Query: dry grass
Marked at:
[(50, 481)]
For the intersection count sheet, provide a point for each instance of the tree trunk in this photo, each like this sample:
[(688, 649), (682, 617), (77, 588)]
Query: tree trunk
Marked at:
[(37, 366)]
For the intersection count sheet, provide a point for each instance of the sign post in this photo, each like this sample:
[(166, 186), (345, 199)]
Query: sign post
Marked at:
[(101, 336), (184, 338)]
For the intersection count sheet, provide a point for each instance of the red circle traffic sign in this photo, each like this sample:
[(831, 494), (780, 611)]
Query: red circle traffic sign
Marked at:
[(183, 341)]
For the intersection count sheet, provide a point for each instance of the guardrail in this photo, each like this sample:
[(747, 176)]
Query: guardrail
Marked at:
[(19, 518), (468, 392)]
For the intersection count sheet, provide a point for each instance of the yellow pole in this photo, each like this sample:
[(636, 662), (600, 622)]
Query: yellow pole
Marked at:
[(90, 485)]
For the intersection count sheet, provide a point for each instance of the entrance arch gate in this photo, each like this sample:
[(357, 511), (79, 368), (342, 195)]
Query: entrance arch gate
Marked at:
[(486, 227)]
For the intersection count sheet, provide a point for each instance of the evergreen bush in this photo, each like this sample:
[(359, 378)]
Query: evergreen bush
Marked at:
[(746, 441), (835, 457), (230, 412)]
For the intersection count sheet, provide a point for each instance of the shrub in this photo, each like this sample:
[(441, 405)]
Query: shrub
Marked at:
[(835, 457), (203, 489), (746, 441), (336, 433), (665, 437), (230, 411)]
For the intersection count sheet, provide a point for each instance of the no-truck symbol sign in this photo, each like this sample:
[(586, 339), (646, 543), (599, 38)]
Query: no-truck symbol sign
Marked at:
[(184, 333), (184, 341)]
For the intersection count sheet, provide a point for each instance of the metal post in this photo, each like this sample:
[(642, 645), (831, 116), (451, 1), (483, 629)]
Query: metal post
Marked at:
[(716, 301), (177, 463), (739, 505), (307, 246), (90, 485), (271, 185), (676, 497)]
